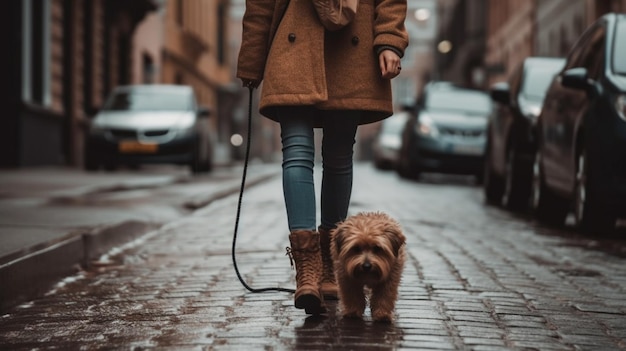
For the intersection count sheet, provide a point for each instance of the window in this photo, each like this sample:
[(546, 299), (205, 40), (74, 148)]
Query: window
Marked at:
[(538, 79), (594, 52), (580, 54), (27, 19), (619, 49), (148, 69), (466, 101), (148, 101), (221, 32), (179, 12), (516, 78), (36, 51), (178, 78)]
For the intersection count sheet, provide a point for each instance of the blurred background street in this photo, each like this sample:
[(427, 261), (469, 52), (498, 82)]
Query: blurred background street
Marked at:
[(121, 145)]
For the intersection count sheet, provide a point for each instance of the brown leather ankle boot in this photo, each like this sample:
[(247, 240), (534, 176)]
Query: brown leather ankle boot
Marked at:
[(305, 252), (328, 284)]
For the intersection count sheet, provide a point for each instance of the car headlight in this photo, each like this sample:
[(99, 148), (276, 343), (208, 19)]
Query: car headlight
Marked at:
[(393, 142), (532, 112), (426, 127), (186, 122), (97, 128), (183, 132), (620, 105)]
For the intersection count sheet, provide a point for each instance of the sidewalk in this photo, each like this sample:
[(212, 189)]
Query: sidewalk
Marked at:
[(53, 219)]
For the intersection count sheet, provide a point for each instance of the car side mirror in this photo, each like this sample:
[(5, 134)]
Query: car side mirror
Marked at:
[(578, 78), (500, 92), (204, 111), (575, 78), (408, 107)]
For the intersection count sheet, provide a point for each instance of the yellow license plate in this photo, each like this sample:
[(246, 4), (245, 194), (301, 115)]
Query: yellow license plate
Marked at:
[(131, 147)]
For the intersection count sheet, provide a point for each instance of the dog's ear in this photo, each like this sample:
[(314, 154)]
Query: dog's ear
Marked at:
[(337, 238), (397, 239)]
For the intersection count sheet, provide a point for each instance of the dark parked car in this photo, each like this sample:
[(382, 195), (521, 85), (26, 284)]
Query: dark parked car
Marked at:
[(150, 124), (510, 132), (580, 163), (446, 133), (386, 146)]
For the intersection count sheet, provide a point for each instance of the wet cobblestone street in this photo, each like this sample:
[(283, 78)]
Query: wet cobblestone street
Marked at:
[(476, 278)]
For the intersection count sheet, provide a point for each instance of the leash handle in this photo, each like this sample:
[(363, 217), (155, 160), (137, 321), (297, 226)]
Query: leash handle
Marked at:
[(243, 185)]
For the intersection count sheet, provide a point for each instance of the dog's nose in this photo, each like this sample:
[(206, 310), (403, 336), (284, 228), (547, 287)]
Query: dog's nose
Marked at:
[(367, 266)]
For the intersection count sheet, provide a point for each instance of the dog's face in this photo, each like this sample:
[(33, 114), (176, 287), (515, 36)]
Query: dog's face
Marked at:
[(367, 246)]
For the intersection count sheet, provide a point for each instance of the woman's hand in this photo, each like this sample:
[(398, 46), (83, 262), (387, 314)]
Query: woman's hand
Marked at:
[(389, 64), (248, 83)]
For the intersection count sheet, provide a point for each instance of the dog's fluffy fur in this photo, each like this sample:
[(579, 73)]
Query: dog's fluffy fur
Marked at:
[(368, 254)]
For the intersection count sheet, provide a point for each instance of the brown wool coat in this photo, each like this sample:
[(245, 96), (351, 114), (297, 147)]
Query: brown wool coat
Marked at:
[(304, 65)]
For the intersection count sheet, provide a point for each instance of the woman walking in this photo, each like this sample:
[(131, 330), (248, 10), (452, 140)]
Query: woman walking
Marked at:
[(316, 78)]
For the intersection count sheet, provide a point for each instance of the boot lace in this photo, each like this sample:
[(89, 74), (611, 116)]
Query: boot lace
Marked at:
[(290, 255), (327, 269), (304, 262)]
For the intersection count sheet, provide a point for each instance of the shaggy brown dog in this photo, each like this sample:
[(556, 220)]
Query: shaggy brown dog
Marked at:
[(368, 254)]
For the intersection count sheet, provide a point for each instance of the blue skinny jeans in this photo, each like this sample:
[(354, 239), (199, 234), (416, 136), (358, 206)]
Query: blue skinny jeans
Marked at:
[(339, 130)]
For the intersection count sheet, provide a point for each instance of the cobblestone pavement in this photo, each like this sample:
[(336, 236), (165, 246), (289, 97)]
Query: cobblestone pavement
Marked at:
[(477, 278)]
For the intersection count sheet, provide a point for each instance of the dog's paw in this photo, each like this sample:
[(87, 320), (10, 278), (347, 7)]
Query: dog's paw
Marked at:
[(382, 316), (352, 315)]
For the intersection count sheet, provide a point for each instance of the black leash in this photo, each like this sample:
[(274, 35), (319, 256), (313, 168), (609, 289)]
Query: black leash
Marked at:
[(243, 185)]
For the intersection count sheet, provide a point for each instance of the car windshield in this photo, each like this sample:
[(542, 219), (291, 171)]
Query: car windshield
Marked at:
[(148, 101), (619, 49), (468, 102), (537, 81)]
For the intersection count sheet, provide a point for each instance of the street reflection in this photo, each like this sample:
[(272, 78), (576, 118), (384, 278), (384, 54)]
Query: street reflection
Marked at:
[(333, 330)]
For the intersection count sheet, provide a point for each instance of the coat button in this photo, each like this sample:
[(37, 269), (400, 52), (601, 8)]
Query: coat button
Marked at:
[(291, 37), (355, 40)]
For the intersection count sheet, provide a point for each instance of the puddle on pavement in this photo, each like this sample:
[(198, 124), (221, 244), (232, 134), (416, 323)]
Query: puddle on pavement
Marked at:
[(331, 329)]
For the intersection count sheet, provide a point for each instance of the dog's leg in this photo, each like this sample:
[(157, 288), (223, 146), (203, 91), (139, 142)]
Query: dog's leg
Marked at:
[(385, 295), (383, 302), (351, 300)]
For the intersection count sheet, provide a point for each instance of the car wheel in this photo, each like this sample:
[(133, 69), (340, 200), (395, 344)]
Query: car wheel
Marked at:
[(516, 182), (479, 178), (406, 167), (589, 213), (110, 166), (382, 165), (201, 167), (492, 183), (91, 160), (109, 162), (402, 167), (547, 206), (410, 170), (198, 165)]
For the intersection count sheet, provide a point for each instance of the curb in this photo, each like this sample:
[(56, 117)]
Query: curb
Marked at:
[(101, 241), (33, 275), (29, 276)]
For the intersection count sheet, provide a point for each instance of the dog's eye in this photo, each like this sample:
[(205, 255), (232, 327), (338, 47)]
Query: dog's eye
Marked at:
[(355, 250), (377, 249)]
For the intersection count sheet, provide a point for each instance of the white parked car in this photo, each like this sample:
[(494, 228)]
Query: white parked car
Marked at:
[(386, 146), (150, 124)]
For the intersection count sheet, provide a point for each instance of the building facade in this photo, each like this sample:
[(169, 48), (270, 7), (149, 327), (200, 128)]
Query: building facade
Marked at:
[(511, 34), (422, 23), (69, 54), (521, 28), (66, 55), (460, 45), (196, 52)]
